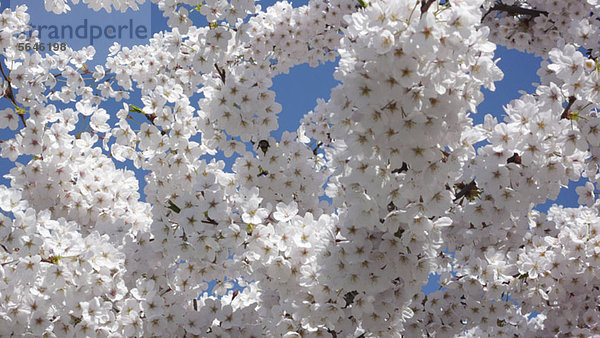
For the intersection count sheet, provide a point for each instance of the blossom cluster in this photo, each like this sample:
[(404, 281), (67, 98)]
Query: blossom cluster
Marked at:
[(534, 26), (504, 252), (332, 229)]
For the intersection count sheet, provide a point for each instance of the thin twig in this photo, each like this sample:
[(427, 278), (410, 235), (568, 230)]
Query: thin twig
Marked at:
[(466, 190), (565, 114), (221, 73), (317, 148), (514, 10), (210, 221), (10, 95), (9, 92), (425, 4)]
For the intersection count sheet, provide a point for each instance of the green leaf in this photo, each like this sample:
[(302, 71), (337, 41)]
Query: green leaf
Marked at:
[(573, 116), (399, 233), (135, 109), (173, 207), (349, 297), (362, 4)]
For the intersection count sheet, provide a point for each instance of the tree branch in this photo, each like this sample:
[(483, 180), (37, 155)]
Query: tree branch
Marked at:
[(468, 190), (514, 10), (221, 73), (210, 221), (10, 95), (425, 4), (317, 148), (565, 114)]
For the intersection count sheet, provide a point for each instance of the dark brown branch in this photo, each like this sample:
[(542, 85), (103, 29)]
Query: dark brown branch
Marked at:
[(149, 117), (210, 221), (400, 170), (566, 114), (317, 148), (221, 73), (588, 54), (10, 95), (9, 92), (515, 158), (425, 4), (467, 190), (515, 10)]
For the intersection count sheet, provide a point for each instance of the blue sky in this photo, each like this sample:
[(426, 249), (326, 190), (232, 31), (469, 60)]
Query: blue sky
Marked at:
[(82, 27)]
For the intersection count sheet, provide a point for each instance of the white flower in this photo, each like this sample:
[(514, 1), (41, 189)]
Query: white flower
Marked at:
[(586, 194), (285, 212), (384, 41), (99, 73), (99, 119), (9, 118), (57, 6)]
